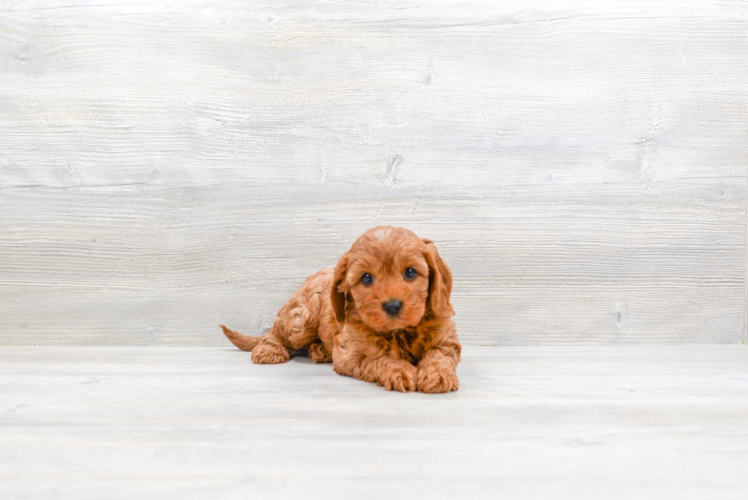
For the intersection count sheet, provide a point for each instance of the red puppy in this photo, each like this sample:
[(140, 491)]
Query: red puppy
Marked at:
[(382, 315)]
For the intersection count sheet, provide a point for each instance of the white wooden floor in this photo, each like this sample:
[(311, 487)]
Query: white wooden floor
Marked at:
[(544, 422)]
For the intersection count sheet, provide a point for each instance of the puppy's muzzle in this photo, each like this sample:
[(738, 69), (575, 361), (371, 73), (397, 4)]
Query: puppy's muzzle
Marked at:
[(392, 307)]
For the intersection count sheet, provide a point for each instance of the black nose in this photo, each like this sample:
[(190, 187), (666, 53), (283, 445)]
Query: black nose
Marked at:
[(392, 307)]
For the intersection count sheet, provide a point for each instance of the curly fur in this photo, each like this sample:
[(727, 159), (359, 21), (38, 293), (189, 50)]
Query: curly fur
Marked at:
[(337, 318)]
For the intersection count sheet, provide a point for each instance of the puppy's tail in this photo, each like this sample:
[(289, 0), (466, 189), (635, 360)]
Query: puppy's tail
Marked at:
[(243, 342)]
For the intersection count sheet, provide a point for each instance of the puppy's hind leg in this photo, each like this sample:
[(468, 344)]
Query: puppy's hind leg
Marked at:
[(294, 328), (270, 351), (318, 353), (266, 349)]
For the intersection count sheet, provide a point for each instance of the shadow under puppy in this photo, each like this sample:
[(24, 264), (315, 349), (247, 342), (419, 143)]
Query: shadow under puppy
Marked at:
[(382, 315)]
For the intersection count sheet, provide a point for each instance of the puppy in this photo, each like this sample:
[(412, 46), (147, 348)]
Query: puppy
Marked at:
[(382, 315)]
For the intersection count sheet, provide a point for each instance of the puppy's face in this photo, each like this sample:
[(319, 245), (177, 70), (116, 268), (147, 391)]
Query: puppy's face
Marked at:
[(392, 279)]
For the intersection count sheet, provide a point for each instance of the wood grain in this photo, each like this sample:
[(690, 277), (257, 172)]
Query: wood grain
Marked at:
[(165, 168), (619, 422)]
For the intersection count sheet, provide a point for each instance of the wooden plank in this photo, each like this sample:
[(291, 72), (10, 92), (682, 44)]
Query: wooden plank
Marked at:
[(532, 422), (531, 272), (164, 169)]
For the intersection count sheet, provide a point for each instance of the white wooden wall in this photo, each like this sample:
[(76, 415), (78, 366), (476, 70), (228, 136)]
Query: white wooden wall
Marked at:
[(168, 166)]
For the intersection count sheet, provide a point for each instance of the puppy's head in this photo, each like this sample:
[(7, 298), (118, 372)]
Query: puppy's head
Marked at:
[(392, 279)]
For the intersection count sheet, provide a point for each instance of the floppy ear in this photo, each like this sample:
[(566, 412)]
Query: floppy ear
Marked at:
[(440, 282), (339, 289)]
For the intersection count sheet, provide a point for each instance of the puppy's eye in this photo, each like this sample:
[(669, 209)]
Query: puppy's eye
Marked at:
[(367, 279), (410, 273)]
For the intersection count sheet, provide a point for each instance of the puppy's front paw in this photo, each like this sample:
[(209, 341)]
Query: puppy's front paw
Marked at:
[(435, 378), (400, 377)]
